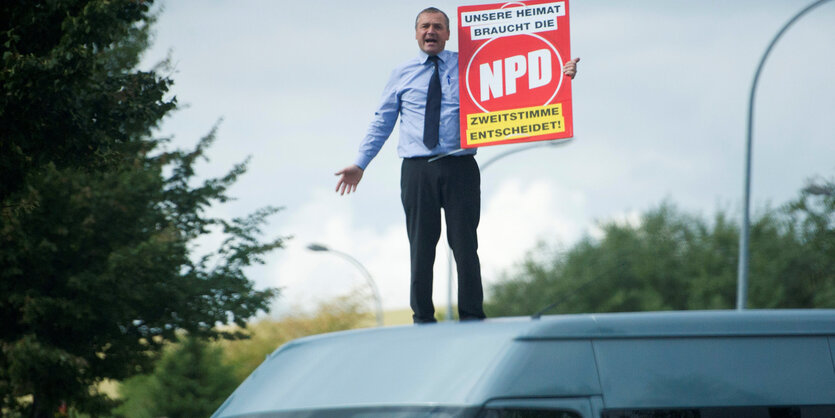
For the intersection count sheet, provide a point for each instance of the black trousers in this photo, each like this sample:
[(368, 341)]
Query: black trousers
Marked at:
[(454, 184)]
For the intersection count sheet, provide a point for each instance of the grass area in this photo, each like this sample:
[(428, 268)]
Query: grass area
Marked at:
[(400, 317), (397, 317)]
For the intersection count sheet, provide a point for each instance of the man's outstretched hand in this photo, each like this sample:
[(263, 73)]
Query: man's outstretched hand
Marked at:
[(349, 178)]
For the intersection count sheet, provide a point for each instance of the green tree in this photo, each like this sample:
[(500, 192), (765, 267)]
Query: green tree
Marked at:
[(70, 96), (190, 380), (673, 261), (813, 219), (98, 222)]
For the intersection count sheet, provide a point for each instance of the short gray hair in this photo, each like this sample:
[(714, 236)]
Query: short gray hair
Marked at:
[(432, 10)]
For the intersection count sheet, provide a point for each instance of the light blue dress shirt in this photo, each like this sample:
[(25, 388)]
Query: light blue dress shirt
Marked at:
[(405, 95)]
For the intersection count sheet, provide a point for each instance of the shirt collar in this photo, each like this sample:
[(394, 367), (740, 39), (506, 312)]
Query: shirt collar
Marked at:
[(423, 56)]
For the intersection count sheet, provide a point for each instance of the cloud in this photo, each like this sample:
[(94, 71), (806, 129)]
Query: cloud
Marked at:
[(518, 215), (659, 108)]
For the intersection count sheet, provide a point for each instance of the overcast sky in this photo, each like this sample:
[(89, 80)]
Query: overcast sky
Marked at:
[(660, 105)]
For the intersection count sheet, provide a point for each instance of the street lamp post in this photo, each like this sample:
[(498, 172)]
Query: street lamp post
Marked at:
[(552, 144), (363, 270), (742, 272), (483, 167)]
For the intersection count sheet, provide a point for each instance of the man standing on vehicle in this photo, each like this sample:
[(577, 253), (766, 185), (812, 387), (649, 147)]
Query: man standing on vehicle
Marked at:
[(423, 92)]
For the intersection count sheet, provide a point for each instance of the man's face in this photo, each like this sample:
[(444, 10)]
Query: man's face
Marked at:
[(431, 32)]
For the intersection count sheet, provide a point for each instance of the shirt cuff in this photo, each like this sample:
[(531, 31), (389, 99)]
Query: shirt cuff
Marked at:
[(362, 161)]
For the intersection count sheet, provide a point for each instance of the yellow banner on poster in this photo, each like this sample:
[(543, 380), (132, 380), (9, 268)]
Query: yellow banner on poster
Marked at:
[(484, 128)]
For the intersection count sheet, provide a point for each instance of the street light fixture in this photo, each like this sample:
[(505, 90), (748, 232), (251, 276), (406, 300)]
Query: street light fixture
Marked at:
[(321, 248), (555, 143)]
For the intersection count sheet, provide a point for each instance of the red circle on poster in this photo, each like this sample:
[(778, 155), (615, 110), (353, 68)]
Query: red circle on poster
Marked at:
[(532, 76)]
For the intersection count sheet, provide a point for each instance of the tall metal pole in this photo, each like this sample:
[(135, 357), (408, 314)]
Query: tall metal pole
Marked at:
[(365, 273), (744, 238), (482, 167)]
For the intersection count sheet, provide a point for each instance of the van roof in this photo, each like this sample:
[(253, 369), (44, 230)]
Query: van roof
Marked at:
[(627, 325), (468, 363), (684, 324)]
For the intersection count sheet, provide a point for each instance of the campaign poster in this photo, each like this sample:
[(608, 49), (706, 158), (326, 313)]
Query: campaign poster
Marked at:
[(510, 60)]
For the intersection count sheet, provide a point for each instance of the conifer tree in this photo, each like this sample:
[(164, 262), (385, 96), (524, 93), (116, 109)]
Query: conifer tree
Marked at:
[(98, 218)]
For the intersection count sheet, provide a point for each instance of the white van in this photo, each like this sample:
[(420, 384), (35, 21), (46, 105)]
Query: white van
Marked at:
[(710, 364)]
